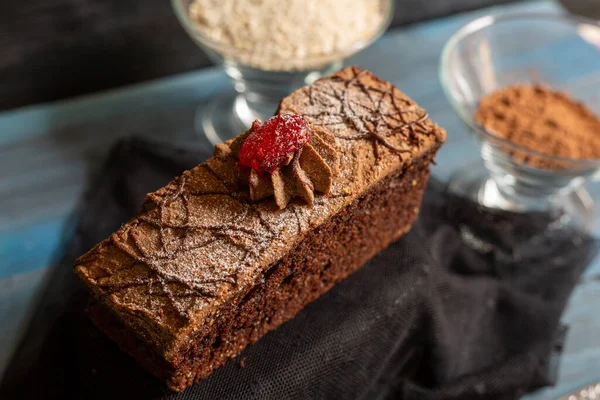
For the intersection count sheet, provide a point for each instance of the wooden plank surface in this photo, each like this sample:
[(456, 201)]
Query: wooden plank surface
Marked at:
[(53, 49), (49, 152)]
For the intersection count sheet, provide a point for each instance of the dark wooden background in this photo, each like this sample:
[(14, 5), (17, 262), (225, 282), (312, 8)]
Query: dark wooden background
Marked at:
[(53, 49)]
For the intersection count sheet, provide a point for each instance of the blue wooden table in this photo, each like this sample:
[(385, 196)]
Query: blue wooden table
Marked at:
[(48, 153)]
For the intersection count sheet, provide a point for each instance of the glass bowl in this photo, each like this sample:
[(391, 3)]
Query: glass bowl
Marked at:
[(561, 51), (259, 86)]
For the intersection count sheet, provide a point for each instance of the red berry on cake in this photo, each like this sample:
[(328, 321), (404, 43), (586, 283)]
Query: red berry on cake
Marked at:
[(273, 144)]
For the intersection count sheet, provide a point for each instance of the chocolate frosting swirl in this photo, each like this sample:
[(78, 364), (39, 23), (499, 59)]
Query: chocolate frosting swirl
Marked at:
[(311, 169)]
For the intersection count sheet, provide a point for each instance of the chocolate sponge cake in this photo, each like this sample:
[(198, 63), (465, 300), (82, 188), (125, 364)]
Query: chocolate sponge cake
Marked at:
[(241, 243)]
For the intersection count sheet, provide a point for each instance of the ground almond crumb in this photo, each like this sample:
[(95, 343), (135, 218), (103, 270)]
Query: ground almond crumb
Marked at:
[(291, 31)]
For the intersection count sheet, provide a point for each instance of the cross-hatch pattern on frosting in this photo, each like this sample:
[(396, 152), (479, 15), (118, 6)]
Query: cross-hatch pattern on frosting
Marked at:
[(201, 239), (367, 118), (173, 239)]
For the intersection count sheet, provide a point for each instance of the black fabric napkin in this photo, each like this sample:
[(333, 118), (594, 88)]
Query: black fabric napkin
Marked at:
[(427, 318)]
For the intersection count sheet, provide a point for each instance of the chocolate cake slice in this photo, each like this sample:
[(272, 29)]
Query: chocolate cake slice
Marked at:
[(241, 243)]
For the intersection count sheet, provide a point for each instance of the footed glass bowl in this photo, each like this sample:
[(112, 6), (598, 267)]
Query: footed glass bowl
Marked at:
[(259, 86), (560, 51)]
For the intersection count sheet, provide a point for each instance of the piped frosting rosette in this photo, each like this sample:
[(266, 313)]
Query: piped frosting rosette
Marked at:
[(285, 158)]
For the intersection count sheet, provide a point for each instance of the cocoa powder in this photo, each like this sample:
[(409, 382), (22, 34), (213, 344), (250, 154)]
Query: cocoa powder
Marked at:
[(541, 119)]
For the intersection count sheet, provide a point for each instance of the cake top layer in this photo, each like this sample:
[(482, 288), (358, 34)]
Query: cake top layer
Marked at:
[(201, 243)]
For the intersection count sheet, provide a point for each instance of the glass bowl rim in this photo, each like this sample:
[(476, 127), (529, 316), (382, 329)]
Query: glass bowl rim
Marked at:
[(189, 26), (487, 21)]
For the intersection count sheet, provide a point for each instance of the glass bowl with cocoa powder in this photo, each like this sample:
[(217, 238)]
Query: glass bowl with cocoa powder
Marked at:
[(528, 87)]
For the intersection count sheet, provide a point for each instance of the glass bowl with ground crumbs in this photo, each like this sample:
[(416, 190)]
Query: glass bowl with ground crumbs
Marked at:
[(528, 87), (269, 48)]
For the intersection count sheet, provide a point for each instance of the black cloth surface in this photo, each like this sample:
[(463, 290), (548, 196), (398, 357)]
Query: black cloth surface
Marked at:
[(427, 318)]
